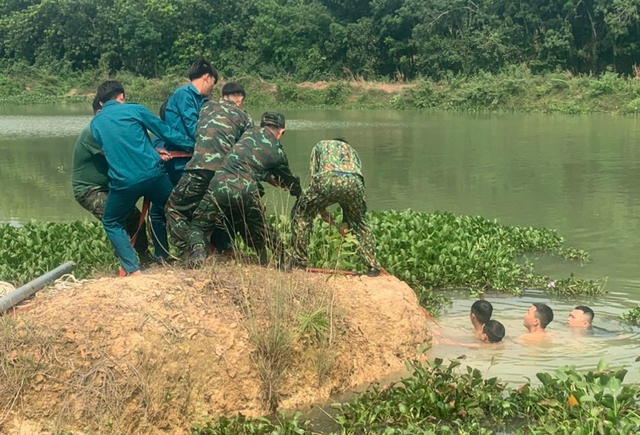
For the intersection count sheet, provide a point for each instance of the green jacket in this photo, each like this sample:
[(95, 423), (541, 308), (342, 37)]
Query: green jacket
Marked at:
[(255, 158), (334, 156), (220, 126)]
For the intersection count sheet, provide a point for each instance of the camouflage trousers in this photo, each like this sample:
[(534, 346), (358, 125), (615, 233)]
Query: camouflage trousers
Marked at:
[(224, 204), (94, 199), (347, 191), (182, 204)]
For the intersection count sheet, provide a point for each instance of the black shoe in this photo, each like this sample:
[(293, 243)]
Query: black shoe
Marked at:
[(373, 272), (300, 265), (196, 259)]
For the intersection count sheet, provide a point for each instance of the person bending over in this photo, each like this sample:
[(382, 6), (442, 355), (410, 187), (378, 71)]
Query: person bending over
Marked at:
[(236, 188), (336, 178)]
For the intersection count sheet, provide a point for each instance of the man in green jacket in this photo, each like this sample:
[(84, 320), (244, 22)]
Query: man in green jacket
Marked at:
[(90, 184), (336, 178), (236, 188)]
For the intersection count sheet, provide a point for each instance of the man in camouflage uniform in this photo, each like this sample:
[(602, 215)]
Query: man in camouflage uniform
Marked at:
[(91, 185), (220, 126), (336, 177), (236, 190)]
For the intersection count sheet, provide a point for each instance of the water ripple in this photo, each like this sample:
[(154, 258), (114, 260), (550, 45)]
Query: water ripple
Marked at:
[(42, 126)]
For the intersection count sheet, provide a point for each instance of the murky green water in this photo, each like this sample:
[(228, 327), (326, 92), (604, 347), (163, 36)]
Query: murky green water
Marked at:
[(577, 174)]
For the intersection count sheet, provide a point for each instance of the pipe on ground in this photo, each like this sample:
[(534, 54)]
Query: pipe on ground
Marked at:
[(26, 291)]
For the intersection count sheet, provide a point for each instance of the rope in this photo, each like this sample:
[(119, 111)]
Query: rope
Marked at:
[(6, 288)]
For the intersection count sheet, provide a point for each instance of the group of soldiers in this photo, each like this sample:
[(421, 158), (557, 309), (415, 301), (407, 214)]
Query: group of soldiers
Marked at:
[(202, 174)]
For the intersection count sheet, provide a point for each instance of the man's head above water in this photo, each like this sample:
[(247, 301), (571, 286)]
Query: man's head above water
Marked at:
[(492, 331), (538, 317), (480, 313), (581, 317)]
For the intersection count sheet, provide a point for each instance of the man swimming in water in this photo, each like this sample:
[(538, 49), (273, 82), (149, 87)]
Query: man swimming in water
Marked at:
[(581, 317), (480, 314), (536, 321), (492, 332)]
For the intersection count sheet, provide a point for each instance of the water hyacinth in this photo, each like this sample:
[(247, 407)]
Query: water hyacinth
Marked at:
[(428, 251)]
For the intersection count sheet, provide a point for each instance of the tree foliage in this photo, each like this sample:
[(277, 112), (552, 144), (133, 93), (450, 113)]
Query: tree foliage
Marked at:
[(320, 39)]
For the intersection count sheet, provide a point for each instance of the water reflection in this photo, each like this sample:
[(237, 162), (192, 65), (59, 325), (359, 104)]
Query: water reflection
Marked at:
[(516, 360)]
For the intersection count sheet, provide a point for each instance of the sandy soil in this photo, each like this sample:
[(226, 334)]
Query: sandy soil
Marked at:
[(390, 88), (153, 354)]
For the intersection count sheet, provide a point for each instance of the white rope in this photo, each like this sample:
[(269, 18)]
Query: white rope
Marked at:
[(6, 288)]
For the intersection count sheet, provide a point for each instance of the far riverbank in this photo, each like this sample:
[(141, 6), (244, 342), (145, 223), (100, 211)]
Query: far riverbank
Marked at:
[(514, 90)]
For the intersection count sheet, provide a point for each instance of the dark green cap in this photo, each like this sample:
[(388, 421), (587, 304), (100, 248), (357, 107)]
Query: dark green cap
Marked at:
[(272, 119)]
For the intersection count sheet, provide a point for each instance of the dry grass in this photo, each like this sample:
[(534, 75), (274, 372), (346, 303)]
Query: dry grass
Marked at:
[(26, 356), (290, 321)]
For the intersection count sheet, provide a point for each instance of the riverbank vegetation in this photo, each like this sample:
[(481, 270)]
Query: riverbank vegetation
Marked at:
[(444, 398), (514, 89), (544, 56), (428, 251)]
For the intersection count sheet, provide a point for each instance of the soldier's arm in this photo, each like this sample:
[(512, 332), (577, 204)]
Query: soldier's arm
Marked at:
[(282, 173)]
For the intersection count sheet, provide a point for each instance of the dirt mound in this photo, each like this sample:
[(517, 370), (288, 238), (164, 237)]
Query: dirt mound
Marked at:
[(152, 354)]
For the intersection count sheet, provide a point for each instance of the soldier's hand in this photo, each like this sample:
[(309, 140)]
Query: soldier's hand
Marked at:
[(296, 190)]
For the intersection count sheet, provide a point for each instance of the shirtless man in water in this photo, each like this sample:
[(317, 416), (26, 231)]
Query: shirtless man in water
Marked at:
[(580, 318), (536, 320), (480, 314)]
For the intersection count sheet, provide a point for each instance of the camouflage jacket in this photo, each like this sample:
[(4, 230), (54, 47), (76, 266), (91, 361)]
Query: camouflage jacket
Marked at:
[(334, 156), (255, 158), (220, 126)]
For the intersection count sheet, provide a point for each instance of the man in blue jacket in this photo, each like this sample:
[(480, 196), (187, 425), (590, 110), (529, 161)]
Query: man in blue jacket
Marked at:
[(134, 169), (183, 109)]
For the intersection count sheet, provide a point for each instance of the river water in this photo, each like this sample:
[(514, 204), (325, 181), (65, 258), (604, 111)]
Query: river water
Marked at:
[(576, 174)]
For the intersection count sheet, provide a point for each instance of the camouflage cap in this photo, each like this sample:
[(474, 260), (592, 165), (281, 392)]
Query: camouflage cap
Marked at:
[(272, 119)]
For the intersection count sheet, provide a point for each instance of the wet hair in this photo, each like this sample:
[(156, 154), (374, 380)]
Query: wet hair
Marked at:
[(201, 67), (109, 90), (586, 310), (494, 331), (96, 104), (482, 310), (544, 313), (340, 139), (233, 88)]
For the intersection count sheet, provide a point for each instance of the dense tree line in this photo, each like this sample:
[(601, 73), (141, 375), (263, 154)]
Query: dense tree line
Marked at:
[(318, 39)]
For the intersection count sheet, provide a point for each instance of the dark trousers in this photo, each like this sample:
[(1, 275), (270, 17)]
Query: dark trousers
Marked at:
[(118, 206)]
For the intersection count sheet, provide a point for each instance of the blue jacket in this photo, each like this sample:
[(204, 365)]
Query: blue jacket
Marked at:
[(181, 113), (121, 131)]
